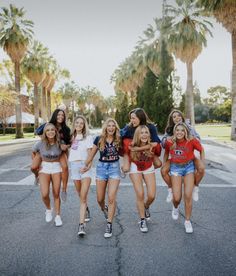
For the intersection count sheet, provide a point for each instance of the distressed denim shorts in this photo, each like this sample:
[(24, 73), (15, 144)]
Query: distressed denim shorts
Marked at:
[(108, 170), (75, 167), (182, 169)]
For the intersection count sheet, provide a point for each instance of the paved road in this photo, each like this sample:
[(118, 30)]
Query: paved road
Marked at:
[(29, 246)]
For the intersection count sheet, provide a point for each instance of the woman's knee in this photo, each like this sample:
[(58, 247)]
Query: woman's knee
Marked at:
[(151, 198), (176, 199), (45, 196)]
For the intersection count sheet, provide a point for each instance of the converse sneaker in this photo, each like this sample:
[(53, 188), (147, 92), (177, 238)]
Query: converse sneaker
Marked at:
[(87, 215), (81, 230), (188, 227), (147, 214), (108, 231), (169, 196), (48, 215), (63, 196), (195, 195), (105, 212), (175, 213), (143, 226), (58, 221)]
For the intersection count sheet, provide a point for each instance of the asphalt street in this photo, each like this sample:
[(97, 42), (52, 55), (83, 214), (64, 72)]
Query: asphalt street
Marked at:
[(30, 246)]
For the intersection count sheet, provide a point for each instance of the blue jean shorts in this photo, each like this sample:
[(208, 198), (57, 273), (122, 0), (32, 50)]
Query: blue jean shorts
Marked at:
[(181, 170), (108, 170), (75, 167)]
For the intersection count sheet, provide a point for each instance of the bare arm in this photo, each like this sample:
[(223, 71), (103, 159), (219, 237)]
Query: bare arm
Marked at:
[(165, 157), (92, 153), (146, 147)]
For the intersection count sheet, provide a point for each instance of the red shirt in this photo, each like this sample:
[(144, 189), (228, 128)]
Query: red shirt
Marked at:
[(184, 150), (145, 161)]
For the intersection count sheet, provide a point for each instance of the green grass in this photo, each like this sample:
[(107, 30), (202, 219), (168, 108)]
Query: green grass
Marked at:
[(216, 132), (10, 137)]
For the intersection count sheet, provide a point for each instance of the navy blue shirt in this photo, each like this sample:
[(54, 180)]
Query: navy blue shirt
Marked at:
[(128, 132), (110, 152)]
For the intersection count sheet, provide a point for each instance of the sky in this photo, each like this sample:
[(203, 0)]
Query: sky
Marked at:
[(91, 38)]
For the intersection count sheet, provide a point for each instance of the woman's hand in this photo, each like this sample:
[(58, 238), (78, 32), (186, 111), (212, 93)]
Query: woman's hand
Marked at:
[(64, 147), (86, 168)]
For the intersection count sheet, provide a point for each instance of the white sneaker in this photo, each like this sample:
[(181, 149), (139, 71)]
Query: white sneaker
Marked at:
[(48, 215), (175, 213), (58, 221), (195, 195), (169, 196), (188, 227)]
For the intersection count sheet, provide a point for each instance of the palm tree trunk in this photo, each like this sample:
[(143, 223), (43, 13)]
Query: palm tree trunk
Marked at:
[(189, 102), (233, 79), (49, 104), (44, 104), (36, 106), (19, 126)]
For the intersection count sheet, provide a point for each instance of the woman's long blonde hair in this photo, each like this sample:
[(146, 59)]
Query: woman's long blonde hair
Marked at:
[(45, 138), (85, 130), (187, 135), (103, 137), (137, 142)]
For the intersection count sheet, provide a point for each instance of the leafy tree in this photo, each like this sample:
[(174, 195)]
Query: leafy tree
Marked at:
[(217, 95), (15, 36)]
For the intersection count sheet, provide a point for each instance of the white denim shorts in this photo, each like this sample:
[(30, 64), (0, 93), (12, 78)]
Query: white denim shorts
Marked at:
[(134, 169), (50, 167), (75, 167)]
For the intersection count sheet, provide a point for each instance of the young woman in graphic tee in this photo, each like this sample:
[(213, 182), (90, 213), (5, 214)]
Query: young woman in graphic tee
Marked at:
[(175, 117), (50, 171), (180, 148), (108, 169), (81, 146), (142, 169), (59, 120), (139, 117)]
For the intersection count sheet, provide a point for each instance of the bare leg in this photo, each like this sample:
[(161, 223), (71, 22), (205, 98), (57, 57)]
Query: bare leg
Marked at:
[(157, 162), (126, 164), (150, 182), (177, 190), (200, 171), (188, 189), (137, 180), (85, 184), (44, 180), (101, 186), (113, 185), (56, 185), (36, 161), (165, 173), (65, 172)]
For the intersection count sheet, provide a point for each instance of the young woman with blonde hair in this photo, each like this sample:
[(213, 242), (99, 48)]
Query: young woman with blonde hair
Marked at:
[(107, 170), (176, 116), (142, 169), (81, 146), (180, 148), (50, 151)]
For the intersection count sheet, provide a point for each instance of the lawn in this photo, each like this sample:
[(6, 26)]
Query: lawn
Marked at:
[(216, 132), (8, 137)]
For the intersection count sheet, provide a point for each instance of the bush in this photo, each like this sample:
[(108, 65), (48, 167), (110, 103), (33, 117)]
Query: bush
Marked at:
[(12, 130)]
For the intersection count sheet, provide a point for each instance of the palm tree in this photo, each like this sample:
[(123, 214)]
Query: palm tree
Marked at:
[(34, 68), (186, 39), (15, 36), (225, 13)]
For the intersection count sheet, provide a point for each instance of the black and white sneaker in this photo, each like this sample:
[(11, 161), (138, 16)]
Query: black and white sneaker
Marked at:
[(143, 226), (108, 231), (81, 230), (87, 215), (105, 212), (147, 214)]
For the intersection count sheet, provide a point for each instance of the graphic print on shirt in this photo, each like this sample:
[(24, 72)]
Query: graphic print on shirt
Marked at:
[(75, 144), (110, 153)]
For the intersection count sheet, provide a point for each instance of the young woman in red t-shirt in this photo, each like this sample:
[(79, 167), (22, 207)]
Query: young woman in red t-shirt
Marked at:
[(180, 147), (142, 168)]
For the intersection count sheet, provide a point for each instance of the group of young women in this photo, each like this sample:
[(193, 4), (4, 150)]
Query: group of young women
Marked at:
[(140, 147)]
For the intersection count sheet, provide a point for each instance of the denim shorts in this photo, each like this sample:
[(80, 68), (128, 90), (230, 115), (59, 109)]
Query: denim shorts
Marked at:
[(181, 169), (75, 170), (108, 170), (50, 167)]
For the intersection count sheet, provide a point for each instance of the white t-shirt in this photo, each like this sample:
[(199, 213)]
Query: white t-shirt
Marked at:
[(79, 148)]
